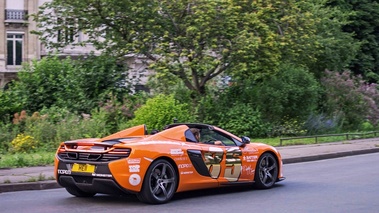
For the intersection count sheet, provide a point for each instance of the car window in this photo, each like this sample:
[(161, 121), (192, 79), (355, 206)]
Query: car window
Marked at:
[(189, 136), (212, 135)]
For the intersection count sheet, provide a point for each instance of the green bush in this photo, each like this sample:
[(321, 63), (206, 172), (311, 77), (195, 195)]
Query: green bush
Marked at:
[(243, 120), (288, 127), (160, 111), (8, 106), (78, 85), (292, 93), (50, 128), (367, 126), (116, 113), (8, 132)]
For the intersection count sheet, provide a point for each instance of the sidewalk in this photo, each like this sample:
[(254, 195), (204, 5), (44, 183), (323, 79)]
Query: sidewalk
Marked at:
[(37, 178)]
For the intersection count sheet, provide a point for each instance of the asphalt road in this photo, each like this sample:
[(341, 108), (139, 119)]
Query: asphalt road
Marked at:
[(346, 184)]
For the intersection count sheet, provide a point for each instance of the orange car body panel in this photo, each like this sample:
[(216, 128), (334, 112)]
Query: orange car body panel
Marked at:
[(225, 164), (134, 131)]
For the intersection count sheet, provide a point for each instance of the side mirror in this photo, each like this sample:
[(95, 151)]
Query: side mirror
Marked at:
[(245, 140)]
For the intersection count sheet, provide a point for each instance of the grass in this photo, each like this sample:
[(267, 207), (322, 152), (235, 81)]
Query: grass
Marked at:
[(17, 160), (41, 177), (313, 139)]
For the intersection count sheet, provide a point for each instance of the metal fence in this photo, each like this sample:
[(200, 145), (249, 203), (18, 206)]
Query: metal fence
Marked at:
[(348, 136)]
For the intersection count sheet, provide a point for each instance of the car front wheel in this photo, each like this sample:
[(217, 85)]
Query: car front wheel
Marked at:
[(266, 171), (159, 184)]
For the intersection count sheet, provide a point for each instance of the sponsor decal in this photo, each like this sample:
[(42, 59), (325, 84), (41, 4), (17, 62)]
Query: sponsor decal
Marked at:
[(101, 175), (134, 160), (185, 166), (176, 152), (250, 150), (232, 149), (64, 172), (134, 168), (186, 172), (248, 170), (250, 158), (180, 158), (134, 179)]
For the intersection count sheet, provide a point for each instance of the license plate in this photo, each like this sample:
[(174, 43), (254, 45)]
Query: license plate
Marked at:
[(83, 168)]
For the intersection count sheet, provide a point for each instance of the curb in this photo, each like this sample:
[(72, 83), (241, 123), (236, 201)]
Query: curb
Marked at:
[(39, 185), (329, 156)]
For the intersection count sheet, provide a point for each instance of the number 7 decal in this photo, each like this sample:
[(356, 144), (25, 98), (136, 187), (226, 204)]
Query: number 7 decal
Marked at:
[(232, 166)]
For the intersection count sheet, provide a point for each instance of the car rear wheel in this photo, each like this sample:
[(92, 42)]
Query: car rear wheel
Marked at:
[(159, 184), (266, 171), (79, 193)]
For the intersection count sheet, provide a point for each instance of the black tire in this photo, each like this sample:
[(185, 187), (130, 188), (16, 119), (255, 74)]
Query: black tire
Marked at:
[(79, 193), (159, 184), (266, 171)]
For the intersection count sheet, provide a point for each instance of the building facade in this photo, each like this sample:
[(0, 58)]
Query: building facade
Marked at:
[(18, 45)]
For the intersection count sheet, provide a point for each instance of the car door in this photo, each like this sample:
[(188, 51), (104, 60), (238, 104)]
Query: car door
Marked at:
[(224, 162)]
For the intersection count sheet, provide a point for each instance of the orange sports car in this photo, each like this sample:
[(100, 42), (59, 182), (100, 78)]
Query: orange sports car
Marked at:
[(156, 166)]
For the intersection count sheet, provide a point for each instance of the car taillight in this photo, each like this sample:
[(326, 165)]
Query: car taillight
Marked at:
[(120, 151), (61, 148)]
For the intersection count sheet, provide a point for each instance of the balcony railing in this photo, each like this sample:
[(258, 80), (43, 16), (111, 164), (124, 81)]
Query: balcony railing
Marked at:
[(16, 14)]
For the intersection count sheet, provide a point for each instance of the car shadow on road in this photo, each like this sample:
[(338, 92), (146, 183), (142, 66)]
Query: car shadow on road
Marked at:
[(219, 191), (210, 194)]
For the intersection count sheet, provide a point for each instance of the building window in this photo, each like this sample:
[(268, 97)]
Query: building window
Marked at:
[(14, 48), (67, 34), (15, 14)]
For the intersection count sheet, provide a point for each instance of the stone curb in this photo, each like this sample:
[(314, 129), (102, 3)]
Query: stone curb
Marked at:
[(329, 156), (39, 185)]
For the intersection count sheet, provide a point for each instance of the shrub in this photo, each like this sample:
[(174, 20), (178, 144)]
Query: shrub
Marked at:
[(243, 120), (24, 143), (160, 111), (8, 106), (367, 126), (118, 112), (8, 132), (287, 127), (349, 96), (293, 92), (76, 85)]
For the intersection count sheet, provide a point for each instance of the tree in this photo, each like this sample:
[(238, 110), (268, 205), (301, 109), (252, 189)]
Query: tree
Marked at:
[(193, 41), (318, 42), (364, 25)]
